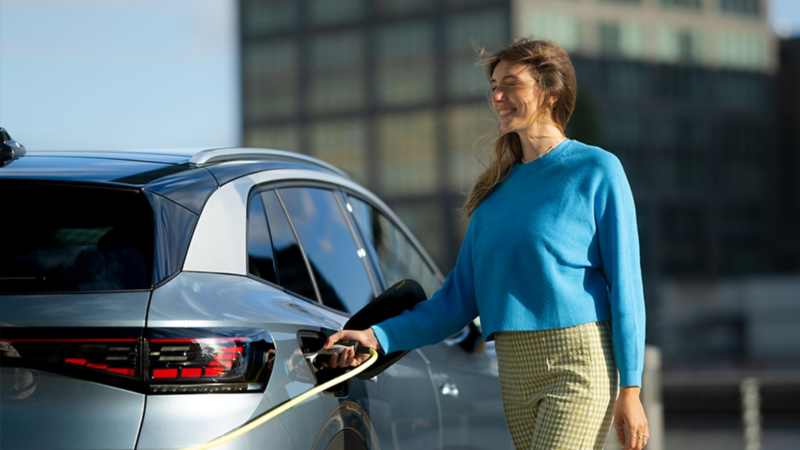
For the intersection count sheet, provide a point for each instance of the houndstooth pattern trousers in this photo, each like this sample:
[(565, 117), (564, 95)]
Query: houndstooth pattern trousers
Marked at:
[(559, 386)]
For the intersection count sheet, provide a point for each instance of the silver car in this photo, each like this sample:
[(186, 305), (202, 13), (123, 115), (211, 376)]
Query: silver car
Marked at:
[(161, 299)]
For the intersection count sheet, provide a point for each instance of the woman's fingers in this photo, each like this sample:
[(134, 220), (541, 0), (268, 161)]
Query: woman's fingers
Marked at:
[(620, 433)]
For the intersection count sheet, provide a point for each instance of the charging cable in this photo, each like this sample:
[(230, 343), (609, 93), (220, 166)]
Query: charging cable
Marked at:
[(275, 412)]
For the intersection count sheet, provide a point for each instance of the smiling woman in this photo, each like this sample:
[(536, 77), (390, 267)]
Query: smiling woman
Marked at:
[(550, 263)]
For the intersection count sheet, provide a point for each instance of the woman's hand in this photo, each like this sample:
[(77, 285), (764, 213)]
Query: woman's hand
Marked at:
[(629, 412), (348, 358)]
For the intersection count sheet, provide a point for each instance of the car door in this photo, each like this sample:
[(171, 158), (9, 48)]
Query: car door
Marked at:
[(398, 408), (464, 376)]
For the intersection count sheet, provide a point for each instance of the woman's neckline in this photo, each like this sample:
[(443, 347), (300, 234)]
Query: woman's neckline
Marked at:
[(549, 156)]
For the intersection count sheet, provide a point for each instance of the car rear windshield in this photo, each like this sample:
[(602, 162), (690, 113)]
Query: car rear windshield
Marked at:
[(57, 237)]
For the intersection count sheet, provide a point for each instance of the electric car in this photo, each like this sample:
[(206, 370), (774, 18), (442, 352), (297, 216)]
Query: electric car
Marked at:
[(161, 299)]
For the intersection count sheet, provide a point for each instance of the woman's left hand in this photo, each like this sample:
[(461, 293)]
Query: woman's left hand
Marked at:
[(628, 412)]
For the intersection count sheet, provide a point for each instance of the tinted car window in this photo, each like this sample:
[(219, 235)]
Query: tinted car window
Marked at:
[(292, 270), (336, 260), (71, 238), (398, 258), (260, 260)]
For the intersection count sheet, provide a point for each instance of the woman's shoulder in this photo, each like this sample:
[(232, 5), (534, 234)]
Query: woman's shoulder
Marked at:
[(591, 159)]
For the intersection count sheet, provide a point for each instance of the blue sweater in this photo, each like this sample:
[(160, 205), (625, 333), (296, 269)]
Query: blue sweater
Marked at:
[(554, 245)]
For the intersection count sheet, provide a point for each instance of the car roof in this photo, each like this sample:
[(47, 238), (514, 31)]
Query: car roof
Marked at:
[(186, 176)]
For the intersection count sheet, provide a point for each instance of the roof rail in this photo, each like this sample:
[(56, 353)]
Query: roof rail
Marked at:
[(217, 155)]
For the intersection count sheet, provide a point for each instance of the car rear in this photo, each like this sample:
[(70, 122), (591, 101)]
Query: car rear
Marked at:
[(76, 265)]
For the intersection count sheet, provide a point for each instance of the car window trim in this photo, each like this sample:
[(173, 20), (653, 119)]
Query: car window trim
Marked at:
[(370, 249), (356, 240), (300, 245), (394, 220), (253, 193)]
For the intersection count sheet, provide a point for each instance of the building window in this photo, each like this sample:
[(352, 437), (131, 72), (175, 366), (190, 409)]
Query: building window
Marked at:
[(324, 12), (268, 15), (743, 168), (471, 132), (343, 144), (624, 79), (676, 45), (609, 38), (684, 246), (406, 63), (270, 80), (741, 50), (336, 73), (624, 135), (742, 243), (684, 160), (695, 5), (746, 91), (464, 32), (407, 148), (277, 137), (395, 7), (563, 29), (621, 39), (741, 7)]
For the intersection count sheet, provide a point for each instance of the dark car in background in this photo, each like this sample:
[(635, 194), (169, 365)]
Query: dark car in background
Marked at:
[(161, 299)]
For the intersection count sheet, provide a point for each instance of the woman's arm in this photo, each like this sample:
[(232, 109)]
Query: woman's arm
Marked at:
[(432, 320), (615, 216)]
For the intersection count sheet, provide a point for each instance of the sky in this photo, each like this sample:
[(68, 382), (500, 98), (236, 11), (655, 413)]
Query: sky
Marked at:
[(122, 74)]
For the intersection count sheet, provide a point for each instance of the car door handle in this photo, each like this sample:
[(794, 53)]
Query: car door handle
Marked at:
[(449, 389)]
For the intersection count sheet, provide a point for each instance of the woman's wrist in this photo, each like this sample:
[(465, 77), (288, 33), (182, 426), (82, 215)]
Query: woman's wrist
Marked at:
[(630, 390)]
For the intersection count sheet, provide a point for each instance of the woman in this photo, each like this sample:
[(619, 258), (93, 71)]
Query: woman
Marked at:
[(550, 262)]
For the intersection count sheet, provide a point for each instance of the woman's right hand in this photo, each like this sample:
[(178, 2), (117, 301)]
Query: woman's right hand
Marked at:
[(348, 358)]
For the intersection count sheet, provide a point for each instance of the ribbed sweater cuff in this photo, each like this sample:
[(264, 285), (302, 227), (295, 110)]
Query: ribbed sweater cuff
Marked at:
[(383, 338), (629, 377)]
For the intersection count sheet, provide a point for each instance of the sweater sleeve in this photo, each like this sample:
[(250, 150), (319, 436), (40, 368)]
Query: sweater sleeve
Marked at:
[(449, 309), (615, 216)]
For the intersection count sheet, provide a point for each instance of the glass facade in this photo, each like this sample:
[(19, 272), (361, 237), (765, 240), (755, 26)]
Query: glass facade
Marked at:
[(562, 28), (278, 137), (407, 153), (270, 80), (741, 50), (465, 34), (750, 8), (471, 130), (679, 45), (406, 63), (342, 143), (695, 5), (260, 16), (336, 73), (325, 12)]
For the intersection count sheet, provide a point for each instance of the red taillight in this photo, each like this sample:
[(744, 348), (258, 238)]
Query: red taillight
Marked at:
[(114, 355), (163, 361)]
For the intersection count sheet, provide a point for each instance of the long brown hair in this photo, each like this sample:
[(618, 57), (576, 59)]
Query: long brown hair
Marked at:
[(555, 77)]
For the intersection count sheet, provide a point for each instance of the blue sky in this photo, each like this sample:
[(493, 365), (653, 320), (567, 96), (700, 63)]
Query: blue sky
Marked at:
[(116, 74)]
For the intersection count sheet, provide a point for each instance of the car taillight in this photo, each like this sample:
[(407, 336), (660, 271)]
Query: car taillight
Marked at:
[(114, 356), (163, 361)]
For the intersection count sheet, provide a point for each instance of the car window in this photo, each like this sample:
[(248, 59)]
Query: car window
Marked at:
[(292, 272), (397, 256), (74, 238), (260, 259), (337, 262)]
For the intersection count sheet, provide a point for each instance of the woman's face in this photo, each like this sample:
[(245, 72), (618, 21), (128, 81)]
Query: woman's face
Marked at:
[(515, 96)]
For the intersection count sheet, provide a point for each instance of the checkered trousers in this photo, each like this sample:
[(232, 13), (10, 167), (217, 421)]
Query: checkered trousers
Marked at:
[(559, 386)]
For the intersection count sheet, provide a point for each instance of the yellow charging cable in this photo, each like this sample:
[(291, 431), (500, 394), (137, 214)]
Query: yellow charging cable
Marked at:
[(273, 413)]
